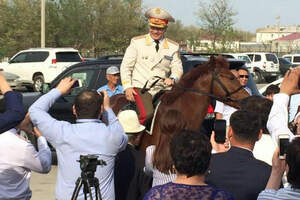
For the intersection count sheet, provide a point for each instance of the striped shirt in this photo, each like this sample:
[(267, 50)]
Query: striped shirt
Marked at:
[(287, 193), (159, 178)]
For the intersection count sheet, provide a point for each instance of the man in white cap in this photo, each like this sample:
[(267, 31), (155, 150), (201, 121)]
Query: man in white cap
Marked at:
[(148, 56), (112, 87), (130, 180)]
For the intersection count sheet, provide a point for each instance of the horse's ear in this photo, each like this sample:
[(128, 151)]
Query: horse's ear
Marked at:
[(222, 62), (212, 61)]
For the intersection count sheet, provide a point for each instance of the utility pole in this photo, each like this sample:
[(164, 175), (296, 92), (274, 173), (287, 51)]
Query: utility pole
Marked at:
[(278, 28), (42, 23)]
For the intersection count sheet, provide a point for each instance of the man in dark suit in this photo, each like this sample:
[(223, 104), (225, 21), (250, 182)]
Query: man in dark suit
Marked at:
[(131, 183), (15, 111), (237, 171)]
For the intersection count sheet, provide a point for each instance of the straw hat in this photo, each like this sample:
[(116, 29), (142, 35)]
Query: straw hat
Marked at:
[(130, 122)]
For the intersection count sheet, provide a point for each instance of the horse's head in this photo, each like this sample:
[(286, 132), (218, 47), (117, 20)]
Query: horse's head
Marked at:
[(224, 83)]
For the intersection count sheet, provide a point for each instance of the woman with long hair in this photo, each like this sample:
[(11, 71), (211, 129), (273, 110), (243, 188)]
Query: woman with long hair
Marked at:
[(158, 162)]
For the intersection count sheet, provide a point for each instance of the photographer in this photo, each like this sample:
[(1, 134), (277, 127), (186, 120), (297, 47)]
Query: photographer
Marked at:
[(15, 112), (17, 158), (292, 166), (88, 136), (278, 117)]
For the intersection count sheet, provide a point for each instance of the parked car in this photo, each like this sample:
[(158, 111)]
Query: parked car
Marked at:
[(240, 56), (265, 66), (293, 58), (92, 75), (284, 65), (13, 81), (38, 65)]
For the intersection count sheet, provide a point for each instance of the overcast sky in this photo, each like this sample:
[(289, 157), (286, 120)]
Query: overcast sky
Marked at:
[(252, 14)]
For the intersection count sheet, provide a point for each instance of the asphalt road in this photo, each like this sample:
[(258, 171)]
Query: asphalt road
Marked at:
[(43, 185)]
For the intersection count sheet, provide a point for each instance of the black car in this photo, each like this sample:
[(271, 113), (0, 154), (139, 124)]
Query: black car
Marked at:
[(284, 65), (92, 74)]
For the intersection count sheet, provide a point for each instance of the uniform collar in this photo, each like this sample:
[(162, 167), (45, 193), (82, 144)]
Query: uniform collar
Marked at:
[(149, 41)]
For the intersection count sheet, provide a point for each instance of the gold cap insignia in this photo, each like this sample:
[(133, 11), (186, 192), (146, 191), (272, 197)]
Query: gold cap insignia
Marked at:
[(157, 11)]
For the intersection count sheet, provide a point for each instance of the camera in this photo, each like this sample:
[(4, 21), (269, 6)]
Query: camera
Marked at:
[(88, 163)]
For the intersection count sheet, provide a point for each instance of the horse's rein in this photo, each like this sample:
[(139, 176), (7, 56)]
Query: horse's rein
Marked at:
[(220, 98)]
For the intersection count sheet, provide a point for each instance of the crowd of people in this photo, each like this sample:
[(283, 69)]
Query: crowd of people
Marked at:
[(182, 164)]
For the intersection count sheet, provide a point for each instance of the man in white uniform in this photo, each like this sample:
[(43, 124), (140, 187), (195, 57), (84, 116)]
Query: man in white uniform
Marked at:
[(148, 56)]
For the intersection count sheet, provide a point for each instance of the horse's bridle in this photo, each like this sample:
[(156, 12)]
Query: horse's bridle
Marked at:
[(215, 77)]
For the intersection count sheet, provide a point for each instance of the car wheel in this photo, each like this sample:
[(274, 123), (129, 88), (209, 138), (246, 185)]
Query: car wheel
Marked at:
[(257, 77), (38, 83)]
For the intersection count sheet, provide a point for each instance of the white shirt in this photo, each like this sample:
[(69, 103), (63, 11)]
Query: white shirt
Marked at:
[(159, 178), (264, 149), (225, 110), (17, 158), (278, 118)]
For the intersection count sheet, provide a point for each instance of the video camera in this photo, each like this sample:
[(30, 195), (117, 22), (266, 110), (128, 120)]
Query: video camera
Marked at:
[(88, 163)]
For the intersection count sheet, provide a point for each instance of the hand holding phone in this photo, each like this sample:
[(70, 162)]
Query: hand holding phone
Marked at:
[(283, 142), (220, 131), (77, 84)]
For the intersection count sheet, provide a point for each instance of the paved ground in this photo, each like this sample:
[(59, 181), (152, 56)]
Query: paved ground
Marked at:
[(43, 185)]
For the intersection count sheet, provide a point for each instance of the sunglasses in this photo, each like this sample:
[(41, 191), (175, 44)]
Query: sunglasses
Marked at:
[(243, 76)]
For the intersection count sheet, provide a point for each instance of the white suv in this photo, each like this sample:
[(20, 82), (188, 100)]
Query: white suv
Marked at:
[(38, 65), (264, 66)]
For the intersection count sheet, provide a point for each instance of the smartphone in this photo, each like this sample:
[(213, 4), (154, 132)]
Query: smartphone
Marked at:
[(77, 84), (220, 130), (284, 141)]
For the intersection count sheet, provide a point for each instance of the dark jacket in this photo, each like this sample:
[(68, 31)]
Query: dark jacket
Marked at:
[(238, 173), (131, 183), (14, 112)]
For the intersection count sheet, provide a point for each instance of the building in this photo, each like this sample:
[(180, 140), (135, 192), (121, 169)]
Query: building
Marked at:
[(270, 33)]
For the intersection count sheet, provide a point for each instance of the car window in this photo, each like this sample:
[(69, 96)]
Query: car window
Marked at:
[(19, 58), (251, 56), (288, 58), (296, 59), (257, 58), (271, 57), (85, 76), (39, 56), (68, 57)]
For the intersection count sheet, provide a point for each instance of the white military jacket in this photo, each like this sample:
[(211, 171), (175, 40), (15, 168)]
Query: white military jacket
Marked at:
[(141, 62)]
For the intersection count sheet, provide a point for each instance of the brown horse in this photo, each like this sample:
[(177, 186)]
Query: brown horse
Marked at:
[(192, 95)]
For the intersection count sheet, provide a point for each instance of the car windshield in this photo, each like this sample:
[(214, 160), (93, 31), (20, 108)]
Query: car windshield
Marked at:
[(67, 57), (244, 58), (271, 57)]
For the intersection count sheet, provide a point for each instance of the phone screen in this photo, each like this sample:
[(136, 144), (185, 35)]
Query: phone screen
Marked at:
[(283, 144), (220, 130)]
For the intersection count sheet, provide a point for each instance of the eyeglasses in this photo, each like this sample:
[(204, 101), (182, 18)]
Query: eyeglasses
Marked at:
[(243, 76)]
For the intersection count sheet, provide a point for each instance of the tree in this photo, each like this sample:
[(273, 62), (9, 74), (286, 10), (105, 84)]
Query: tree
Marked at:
[(217, 19)]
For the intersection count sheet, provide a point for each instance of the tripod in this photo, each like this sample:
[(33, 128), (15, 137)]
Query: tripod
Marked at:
[(88, 180)]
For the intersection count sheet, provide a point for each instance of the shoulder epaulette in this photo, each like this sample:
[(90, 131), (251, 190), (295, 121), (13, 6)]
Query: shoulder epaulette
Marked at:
[(139, 37), (173, 42)]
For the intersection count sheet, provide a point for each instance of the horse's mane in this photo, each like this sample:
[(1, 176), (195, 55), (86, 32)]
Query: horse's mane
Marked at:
[(188, 80)]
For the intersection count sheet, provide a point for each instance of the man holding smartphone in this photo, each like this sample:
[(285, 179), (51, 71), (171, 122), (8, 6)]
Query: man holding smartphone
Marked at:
[(236, 170), (88, 136)]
